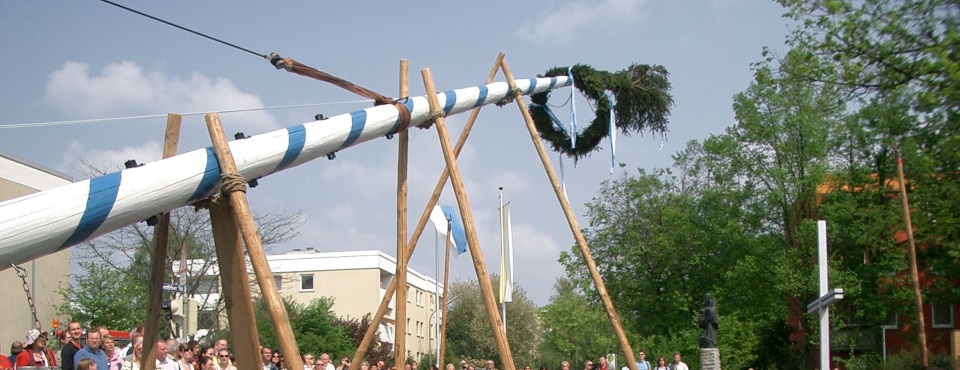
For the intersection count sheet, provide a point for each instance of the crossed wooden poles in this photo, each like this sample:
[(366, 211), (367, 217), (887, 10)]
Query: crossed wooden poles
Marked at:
[(232, 221)]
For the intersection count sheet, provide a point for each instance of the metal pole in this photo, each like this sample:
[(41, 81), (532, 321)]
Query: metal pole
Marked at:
[(824, 309), (503, 303)]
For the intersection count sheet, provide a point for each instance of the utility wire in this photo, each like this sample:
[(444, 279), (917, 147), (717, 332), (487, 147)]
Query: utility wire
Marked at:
[(264, 56), (96, 120)]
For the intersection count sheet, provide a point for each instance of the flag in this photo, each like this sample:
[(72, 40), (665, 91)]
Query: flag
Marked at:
[(506, 255), (439, 216)]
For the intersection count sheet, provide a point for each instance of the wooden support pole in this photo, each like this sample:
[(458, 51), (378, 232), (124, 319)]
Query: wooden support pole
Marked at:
[(572, 221), (236, 285), (473, 242), (235, 189), (400, 334), (424, 218), (443, 306), (912, 253), (161, 234)]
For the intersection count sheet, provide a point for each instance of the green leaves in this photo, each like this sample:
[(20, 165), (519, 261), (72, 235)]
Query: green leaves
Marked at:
[(104, 296)]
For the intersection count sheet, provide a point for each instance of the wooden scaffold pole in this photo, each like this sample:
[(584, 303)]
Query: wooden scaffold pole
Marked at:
[(473, 242), (234, 188), (401, 275), (361, 353), (572, 221), (161, 234)]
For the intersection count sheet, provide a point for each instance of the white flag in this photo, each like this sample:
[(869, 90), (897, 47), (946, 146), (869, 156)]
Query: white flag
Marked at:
[(506, 260)]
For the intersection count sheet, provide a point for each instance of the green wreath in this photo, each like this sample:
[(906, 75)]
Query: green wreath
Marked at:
[(643, 102)]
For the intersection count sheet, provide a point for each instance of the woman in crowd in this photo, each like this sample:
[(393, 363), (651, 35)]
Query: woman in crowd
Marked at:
[(35, 352), (277, 359), (186, 356), (206, 363), (661, 364), (109, 348), (134, 362), (364, 365)]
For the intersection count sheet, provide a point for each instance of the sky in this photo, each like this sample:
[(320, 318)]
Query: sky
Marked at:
[(86, 59)]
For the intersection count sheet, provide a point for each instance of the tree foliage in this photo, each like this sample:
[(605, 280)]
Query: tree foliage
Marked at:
[(104, 296), (315, 327), (468, 329)]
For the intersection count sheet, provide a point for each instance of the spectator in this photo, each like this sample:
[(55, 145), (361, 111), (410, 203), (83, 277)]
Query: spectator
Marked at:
[(220, 345), (325, 358), (225, 363), (92, 351), (661, 364), (186, 356), (5, 363), (206, 363), (36, 353), (266, 357), (677, 364), (164, 362), (133, 361), (114, 361), (15, 349), (86, 364), (70, 349)]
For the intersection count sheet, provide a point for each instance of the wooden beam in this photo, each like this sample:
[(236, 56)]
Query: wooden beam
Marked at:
[(473, 242), (572, 221), (161, 233), (441, 182), (912, 253), (235, 285), (400, 334), (235, 189)]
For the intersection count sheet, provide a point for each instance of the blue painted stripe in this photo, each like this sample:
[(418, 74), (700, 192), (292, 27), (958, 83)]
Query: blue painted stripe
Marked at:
[(358, 121), (211, 174), (296, 137), (533, 86), (553, 83), (451, 101), (100, 199), (482, 97)]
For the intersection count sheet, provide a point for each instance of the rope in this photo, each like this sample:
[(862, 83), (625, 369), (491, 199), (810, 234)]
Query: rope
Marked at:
[(231, 182), (185, 29), (294, 66), (96, 120)]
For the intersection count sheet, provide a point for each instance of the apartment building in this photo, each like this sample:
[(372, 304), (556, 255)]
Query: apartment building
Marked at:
[(357, 282), (19, 177)]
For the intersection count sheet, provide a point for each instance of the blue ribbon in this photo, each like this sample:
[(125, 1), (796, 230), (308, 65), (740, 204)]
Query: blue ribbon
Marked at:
[(573, 110), (613, 132), (553, 117)]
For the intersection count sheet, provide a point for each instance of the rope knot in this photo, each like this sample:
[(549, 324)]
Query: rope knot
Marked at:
[(231, 182)]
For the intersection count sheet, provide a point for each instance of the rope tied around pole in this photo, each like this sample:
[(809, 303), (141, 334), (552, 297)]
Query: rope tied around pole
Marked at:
[(291, 65), (232, 182)]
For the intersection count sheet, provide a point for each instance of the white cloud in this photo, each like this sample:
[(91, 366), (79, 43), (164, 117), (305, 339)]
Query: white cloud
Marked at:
[(105, 159), (581, 17), (124, 88)]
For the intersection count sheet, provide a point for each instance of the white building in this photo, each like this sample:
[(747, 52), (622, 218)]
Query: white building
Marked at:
[(19, 177), (356, 281)]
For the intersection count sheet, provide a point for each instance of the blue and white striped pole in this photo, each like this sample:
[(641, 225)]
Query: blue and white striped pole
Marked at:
[(42, 223)]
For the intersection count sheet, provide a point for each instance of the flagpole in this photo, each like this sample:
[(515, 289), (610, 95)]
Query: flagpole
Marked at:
[(503, 302), (436, 301)]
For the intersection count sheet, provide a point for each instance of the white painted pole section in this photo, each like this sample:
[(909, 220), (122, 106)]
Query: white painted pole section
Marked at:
[(824, 309), (42, 223)]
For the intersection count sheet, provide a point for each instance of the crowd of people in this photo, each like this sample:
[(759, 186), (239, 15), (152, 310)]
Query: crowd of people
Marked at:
[(99, 352)]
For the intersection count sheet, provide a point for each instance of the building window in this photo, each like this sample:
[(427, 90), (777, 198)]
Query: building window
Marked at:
[(306, 282), (431, 331), (408, 294), (408, 326), (279, 281), (420, 329), (419, 298), (208, 285), (942, 316)]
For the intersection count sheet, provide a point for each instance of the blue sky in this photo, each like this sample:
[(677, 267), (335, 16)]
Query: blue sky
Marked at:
[(86, 59)]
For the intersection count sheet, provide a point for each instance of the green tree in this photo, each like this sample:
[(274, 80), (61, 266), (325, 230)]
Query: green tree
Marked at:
[(314, 326), (574, 328), (468, 330), (104, 296)]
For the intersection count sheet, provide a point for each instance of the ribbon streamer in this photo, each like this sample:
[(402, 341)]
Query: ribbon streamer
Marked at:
[(573, 110), (613, 132)]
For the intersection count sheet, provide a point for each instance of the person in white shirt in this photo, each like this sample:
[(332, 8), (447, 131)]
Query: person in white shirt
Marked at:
[(677, 364)]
